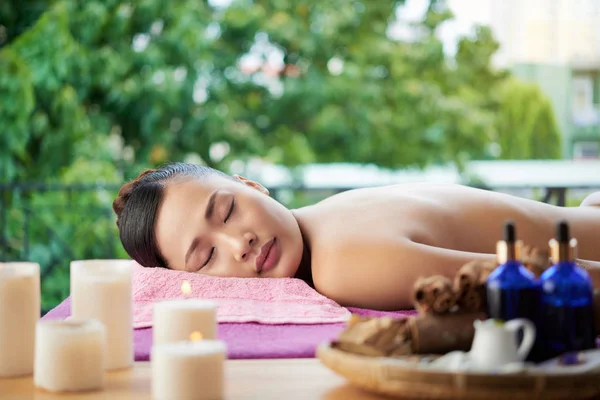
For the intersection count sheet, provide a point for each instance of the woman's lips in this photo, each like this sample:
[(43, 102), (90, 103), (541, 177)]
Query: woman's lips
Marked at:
[(269, 254)]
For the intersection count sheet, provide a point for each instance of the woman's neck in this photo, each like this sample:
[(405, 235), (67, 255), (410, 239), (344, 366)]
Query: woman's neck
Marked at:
[(304, 271)]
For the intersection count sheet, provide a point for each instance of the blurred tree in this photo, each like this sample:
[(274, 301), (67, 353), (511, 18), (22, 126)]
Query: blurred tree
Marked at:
[(18, 16), (292, 81), (525, 123), (368, 97)]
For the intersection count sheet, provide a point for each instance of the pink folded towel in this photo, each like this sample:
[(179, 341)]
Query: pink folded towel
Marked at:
[(262, 300)]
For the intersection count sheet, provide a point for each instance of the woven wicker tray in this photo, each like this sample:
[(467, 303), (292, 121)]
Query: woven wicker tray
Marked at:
[(401, 380)]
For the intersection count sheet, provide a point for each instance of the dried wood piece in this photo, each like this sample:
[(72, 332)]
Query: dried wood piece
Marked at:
[(402, 350), (434, 295), (377, 337), (440, 334), (423, 334), (364, 329), (391, 337), (361, 349)]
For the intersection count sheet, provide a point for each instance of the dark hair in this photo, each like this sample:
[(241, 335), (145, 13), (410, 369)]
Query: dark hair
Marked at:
[(137, 205)]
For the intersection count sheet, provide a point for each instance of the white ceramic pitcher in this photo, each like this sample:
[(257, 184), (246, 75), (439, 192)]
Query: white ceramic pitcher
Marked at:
[(495, 343)]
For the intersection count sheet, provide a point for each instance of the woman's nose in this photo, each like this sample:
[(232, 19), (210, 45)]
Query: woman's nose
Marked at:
[(243, 247)]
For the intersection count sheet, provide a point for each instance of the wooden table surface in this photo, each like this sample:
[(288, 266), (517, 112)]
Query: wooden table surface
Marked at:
[(245, 379)]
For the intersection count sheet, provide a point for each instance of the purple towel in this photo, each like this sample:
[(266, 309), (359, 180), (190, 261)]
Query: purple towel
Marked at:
[(253, 340)]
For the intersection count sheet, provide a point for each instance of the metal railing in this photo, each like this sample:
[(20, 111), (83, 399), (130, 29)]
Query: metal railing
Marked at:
[(16, 203)]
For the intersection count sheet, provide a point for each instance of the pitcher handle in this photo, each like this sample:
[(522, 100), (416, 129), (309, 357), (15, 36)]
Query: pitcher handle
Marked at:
[(528, 335)]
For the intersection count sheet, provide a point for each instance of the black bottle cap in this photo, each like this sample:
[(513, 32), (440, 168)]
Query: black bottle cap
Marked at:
[(562, 232), (509, 232)]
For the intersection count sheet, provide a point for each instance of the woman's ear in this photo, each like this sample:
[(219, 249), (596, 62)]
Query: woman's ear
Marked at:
[(252, 184)]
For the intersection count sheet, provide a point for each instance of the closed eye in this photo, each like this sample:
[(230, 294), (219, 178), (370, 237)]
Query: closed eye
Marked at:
[(230, 211)]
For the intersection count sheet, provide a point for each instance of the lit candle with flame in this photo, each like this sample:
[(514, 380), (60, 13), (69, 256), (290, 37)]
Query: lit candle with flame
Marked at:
[(175, 320), (186, 288), (172, 363)]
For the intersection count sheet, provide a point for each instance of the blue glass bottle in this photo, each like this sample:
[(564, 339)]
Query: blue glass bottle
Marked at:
[(567, 299), (512, 290)]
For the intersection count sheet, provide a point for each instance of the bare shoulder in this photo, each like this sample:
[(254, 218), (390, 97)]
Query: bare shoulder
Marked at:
[(358, 275), (349, 257)]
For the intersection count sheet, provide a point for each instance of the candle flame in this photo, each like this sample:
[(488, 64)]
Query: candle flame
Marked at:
[(186, 288), (195, 336)]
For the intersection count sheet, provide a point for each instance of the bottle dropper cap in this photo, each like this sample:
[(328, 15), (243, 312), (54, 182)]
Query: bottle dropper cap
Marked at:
[(562, 232), (509, 232), (510, 247), (562, 247)]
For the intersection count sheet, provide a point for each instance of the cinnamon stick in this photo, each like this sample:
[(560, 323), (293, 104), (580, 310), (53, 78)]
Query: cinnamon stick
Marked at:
[(536, 260), (434, 295), (474, 300), (471, 275), (439, 334)]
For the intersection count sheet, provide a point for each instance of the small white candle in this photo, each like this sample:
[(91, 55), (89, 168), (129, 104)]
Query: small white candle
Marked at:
[(175, 320), (70, 355), (189, 370), (101, 290), (19, 312)]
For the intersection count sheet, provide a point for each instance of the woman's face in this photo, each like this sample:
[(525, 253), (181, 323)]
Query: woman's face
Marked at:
[(221, 227)]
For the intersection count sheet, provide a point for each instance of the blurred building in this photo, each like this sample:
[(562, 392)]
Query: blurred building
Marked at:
[(556, 43)]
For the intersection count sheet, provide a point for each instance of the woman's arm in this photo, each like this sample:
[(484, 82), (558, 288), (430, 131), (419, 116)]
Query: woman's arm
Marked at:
[(383, 280)]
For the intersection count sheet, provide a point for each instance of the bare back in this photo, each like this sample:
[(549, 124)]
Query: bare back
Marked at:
[(365, 233)]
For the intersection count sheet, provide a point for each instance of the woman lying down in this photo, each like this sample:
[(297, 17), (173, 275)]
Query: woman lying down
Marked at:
[(362, 248)]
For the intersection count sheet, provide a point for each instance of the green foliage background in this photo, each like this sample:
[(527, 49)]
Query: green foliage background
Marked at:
[(92, 92)]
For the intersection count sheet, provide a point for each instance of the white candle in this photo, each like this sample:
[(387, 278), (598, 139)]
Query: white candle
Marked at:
[(175, 320), (70, 355), (101, 290), (19, 312), (189, 370)]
